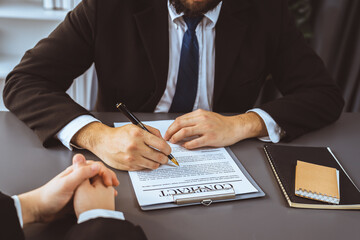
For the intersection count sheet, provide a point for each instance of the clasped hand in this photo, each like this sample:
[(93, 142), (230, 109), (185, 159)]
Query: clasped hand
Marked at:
[(89, 183)]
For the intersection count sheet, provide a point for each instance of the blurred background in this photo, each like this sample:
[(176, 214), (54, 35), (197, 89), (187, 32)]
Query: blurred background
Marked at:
[(331, 27)]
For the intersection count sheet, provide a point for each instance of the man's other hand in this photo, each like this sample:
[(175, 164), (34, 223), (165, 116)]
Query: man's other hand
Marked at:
[(210, 129), (93, 194), (126, 148)]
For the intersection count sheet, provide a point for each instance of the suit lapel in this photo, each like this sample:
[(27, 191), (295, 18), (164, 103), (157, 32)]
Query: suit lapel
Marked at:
[(153, 28), (230, 31)]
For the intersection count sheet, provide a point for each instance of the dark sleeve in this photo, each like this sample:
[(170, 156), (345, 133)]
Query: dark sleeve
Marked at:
[(35, 89), (105, 228), (310, 98), (9, 221)]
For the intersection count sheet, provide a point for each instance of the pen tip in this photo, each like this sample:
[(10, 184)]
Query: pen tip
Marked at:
[(174, 161)]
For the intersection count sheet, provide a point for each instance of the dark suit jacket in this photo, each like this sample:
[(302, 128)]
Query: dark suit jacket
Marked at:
[(129, 42), (95, 229)]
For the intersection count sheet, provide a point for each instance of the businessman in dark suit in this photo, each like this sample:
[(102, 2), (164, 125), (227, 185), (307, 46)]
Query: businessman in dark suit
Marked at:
[(90, 185), (199, 57)]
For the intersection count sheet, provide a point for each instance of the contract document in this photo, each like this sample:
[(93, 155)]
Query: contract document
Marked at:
[(205, 171)]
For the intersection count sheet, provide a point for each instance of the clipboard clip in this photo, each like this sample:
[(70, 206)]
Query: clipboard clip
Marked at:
[(206, 197)]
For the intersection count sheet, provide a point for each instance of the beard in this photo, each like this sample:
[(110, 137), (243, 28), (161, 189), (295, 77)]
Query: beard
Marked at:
[(192, 8)]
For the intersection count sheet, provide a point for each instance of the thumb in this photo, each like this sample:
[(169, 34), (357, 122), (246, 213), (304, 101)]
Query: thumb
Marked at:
[(80, 174), (78, 160)]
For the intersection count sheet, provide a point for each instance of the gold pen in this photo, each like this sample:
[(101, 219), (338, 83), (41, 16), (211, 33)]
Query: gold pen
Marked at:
[(134, 120)]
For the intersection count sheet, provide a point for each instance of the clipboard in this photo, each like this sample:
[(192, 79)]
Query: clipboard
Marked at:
[(209, 197)]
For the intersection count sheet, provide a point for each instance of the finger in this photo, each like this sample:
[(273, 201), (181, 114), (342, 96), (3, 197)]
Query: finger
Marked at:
[(158, 143), (109, 177), (185, 133), (121, 163), (155, 155), (113, 180), (80, 174), (134, 163), (78, 160), (144, 163), (195, 143), (154, 131), (116, 193), (97, 181), (105, 176), (179, 123)]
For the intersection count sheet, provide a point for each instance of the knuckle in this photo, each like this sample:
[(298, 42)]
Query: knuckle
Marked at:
[(197, 143), (205, 117), (175, 124), (165, 159), (161, 158), (155, 166), (188, 145), (158, 157), (129, 159), (184, 132), (174, 138), (127, 127), (163, 145), (166, 149), (136, 131), (100, 163), (131, 147)]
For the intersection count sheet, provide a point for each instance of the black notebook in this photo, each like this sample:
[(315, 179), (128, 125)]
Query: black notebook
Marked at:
[(283, 160)]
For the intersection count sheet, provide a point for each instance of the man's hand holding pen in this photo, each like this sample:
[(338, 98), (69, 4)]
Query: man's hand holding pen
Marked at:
[(124, 148)]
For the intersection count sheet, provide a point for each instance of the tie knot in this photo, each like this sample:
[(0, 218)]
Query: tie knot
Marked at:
[(192, 22)]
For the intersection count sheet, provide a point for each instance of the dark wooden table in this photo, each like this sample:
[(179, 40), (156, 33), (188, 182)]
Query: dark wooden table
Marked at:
[(25, 164)]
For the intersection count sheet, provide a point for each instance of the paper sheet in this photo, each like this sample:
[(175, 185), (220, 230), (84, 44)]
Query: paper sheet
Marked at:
[(203, 169)]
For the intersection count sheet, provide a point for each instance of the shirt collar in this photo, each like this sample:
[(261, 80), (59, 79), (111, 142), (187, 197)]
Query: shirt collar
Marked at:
[(212, 15)]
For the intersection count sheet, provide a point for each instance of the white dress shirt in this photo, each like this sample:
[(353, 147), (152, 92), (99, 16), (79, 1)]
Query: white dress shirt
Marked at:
[(85, 216), (205, 33)]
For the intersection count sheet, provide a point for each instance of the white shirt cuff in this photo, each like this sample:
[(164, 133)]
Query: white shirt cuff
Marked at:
[(66, 134), (18, 209), (96, 213), (272, 127)]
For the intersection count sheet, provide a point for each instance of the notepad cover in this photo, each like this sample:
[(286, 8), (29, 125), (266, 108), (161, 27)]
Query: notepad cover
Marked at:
[(317, 182), (283, 159)]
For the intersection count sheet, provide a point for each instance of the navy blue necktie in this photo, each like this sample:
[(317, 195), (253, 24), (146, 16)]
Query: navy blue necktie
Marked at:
[(187, 82)]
